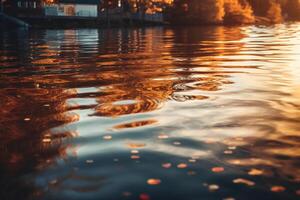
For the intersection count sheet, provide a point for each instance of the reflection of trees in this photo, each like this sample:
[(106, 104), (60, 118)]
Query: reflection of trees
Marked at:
[(200, 57), (24, 143), (28, 110), (134, 72), (127, 68), (136, 75), (129, 74), (206, 60), (125, 72)]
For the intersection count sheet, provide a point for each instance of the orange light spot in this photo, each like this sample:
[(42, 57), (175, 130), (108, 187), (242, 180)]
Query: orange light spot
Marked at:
[(135, 157), (182, 166), (243, 181), (46, 140), (153, 181), (136, 145), (277, 188), (235, 162), (217, 169), (213, 187), (255, 172), (229, 198)]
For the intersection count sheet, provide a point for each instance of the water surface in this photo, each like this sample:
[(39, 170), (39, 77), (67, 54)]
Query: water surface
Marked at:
[(155, 113)]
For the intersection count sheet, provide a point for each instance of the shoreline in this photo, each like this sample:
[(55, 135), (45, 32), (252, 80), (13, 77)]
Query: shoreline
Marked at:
[(73, 23), (85, 22)]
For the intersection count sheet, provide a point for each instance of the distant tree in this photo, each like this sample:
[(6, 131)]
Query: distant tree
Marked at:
[(197, 12), (292, 9), (275, 12), (260, 7)]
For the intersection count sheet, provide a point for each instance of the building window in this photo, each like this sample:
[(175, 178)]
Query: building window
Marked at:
[(34, 4)]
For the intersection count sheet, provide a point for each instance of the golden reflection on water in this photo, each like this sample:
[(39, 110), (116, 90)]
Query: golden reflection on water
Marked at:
[(221, 96)]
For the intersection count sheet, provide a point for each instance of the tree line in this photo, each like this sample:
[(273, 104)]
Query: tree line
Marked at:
[(215, 11)]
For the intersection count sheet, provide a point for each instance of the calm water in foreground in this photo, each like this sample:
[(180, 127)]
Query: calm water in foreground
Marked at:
[(157, 113)]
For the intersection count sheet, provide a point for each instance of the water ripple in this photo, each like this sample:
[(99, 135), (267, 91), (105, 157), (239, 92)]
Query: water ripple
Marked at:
[(197, 112)]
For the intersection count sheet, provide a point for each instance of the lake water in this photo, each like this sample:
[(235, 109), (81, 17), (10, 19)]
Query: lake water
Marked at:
[(160, 113)]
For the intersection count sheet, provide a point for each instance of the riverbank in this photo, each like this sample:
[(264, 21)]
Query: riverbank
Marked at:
[(55, 22), (85, 22), (6, 18)]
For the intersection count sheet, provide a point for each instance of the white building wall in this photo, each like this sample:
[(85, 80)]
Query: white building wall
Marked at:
[(80, 10), (86, 10), (51, 10)]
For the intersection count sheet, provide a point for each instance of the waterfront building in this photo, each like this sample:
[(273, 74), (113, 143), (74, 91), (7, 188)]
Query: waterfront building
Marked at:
[(88, 12), (22, 8), (44, 8), (73, 8)]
